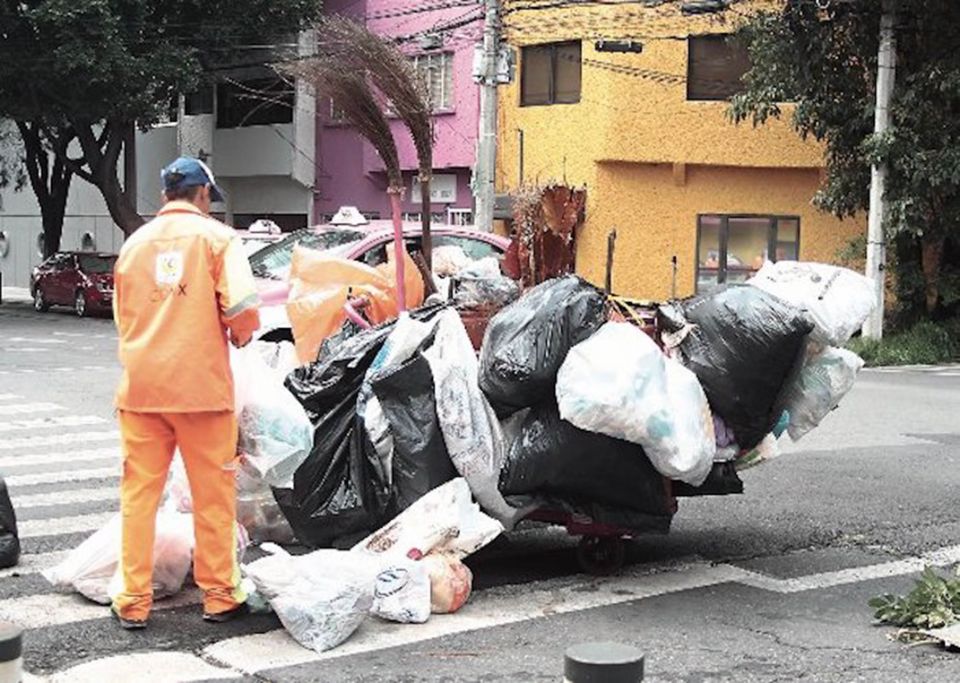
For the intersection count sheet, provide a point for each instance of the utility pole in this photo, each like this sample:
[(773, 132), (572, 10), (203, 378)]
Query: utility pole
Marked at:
[(487, 139), (876, 243)]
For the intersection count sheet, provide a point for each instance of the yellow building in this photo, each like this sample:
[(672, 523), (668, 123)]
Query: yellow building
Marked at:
[(646, 130)]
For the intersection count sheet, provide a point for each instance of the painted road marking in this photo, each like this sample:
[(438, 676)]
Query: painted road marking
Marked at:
[(51, 422), (34, 562), (34, 340), (53, 609), (63, 457), (9, 397), (58, 477), (164, 667), (29, 408), (66, 497), (32, 528), (26, 442)]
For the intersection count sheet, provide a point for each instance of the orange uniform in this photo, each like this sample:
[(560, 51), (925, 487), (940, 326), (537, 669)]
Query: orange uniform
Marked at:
[(182, 286)]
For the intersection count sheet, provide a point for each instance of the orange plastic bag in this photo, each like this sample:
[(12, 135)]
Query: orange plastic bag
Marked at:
[(320, 285)]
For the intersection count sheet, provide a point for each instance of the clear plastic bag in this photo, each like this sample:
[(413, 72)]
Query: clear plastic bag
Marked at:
[(449, 260), (275, 432), (402, 592), (837, 300), (495, 291), (828, 373), (92, 568), (444, 520), (321, 598), (281, 357), (470, 427), (620, 384)]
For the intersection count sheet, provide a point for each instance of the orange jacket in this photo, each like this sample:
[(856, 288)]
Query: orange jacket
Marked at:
[(181, 283)]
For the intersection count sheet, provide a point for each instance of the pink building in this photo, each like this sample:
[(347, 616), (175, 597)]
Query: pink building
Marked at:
[(349, 171)]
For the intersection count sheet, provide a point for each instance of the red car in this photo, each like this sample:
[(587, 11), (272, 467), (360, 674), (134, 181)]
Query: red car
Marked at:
[(82, 280)]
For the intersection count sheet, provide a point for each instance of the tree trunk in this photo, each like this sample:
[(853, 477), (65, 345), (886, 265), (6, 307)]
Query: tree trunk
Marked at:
[(50, 179), (930, 260), (426, 218), (101, 154)]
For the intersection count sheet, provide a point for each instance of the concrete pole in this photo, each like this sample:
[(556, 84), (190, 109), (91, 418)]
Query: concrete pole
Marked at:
[(487, 139), (876, 244)]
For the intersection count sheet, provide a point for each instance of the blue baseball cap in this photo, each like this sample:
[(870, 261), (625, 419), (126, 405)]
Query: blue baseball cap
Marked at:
[(190, 172)]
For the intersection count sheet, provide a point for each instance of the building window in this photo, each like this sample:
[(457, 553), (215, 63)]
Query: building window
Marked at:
[(436, 70), (417, 217), (256, 102), (550, 74), (460, 217), (715, 66), (732, 248), (337, 114)]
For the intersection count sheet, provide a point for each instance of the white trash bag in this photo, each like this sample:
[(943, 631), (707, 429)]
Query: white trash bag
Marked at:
[(619, 383), (837, 300), (444, 520), (402, 592), (469, 425), (828, 373), (321, 598), (451, 582), (275, 432), (92, 568)]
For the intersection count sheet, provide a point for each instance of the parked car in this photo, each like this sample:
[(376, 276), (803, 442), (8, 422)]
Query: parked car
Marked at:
[(367, 244), (83, 280)]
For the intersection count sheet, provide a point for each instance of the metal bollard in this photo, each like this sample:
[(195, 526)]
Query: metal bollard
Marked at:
[(603, 663), (11, 651)]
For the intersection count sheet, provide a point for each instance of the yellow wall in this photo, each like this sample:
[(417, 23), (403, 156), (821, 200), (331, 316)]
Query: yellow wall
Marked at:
[(629, 133)]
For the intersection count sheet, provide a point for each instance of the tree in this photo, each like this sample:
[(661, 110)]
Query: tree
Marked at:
[(93, 69), (393, 75), (824, 62), (49, 175)]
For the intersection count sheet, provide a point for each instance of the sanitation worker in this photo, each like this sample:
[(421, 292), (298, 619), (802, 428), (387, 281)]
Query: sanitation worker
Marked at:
[(183, 290)]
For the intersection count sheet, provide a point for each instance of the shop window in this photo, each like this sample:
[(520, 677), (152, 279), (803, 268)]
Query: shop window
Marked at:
[(550, 74), (730, 249), (255, 102), (715, 66)]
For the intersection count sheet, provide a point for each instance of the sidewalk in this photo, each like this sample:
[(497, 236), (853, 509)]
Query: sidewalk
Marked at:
[(18, 295)]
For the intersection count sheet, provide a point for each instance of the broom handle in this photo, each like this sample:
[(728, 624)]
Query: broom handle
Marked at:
[(400, 252)]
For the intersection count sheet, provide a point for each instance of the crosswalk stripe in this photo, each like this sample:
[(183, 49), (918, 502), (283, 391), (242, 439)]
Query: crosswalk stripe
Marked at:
[(54, 609), (57, 458), (9, 397), (29, 408), (26, 442), (65, 497), (16, 480), (34, 562), (32, 528), (51, 423)]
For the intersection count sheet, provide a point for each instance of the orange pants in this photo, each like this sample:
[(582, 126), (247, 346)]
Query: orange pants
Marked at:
[(208, 445)]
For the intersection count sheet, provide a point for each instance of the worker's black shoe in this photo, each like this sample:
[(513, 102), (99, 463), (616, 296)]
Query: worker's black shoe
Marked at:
[(231, 614), (129, 624)]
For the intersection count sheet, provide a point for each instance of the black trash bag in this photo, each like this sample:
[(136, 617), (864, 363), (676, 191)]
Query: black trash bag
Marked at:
[(334, 491), (551, 457), (341, 364), (526, 343), (723, 480), (420, 458), (743, 344), (9, 539), (587, 516)]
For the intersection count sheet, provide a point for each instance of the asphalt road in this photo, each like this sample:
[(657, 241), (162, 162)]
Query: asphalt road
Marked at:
[(768, 586)]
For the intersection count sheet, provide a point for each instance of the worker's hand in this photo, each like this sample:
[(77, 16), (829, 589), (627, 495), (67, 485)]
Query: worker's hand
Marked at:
[(238, 342)]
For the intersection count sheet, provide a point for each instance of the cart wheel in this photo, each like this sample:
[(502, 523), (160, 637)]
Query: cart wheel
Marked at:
[(601, 555)]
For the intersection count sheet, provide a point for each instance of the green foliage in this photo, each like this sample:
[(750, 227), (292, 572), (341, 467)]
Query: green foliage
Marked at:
[(924, 343), (933, 603), (824, 62)]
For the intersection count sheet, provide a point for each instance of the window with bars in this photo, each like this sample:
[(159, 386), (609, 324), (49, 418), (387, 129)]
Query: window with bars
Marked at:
[(550, 74), (460, 217), (732, 248), (436, 70)]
